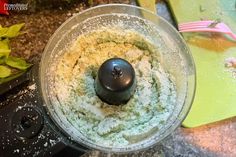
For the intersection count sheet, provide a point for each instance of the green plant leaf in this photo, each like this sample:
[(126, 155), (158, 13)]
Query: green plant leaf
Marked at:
[(4, 71), (11, 31), (18, 63), (11, 77), (4, 48), (2, 60), (3, 31)]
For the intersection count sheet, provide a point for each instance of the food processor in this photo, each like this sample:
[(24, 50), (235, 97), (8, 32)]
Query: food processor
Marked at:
[(174, 56), (36, 122)]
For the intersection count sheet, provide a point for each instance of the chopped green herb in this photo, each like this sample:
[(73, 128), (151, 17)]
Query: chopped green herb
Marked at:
[(12, 31), (4, 71), (18, 63), (160, 108), (201, 8)]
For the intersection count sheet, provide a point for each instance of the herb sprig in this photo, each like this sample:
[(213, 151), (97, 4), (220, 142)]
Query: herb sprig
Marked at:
[(8, 63)]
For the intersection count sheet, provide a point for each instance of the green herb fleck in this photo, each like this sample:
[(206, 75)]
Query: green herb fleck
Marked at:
[(4, 71), (160, 108), (162, 122), (18, 63), (201, 8)]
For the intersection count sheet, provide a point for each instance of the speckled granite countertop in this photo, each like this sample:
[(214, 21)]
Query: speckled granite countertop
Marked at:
[(218, 139)]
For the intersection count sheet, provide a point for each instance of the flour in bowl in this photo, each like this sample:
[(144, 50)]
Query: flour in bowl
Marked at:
[(108, 125)]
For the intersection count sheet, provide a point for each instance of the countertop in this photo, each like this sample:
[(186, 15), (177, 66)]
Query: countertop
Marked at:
[(217, 139)]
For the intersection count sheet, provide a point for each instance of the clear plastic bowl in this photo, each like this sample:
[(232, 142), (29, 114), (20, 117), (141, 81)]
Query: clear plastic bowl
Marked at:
[(175, 57)]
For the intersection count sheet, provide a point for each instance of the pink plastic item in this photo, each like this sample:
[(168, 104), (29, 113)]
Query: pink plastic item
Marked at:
[(206, 26)]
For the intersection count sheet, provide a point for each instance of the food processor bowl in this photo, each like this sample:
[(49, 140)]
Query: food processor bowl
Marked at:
[(174, 56)]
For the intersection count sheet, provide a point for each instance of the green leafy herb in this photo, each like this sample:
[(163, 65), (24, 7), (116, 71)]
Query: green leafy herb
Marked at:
[(4, 71), (2, 60), (18, 63), (4, 48), (3, 31), (11, 77), (12, 31), (7, 61)]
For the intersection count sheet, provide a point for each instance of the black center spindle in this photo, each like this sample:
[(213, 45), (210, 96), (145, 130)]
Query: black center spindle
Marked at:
[(115, 82)]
